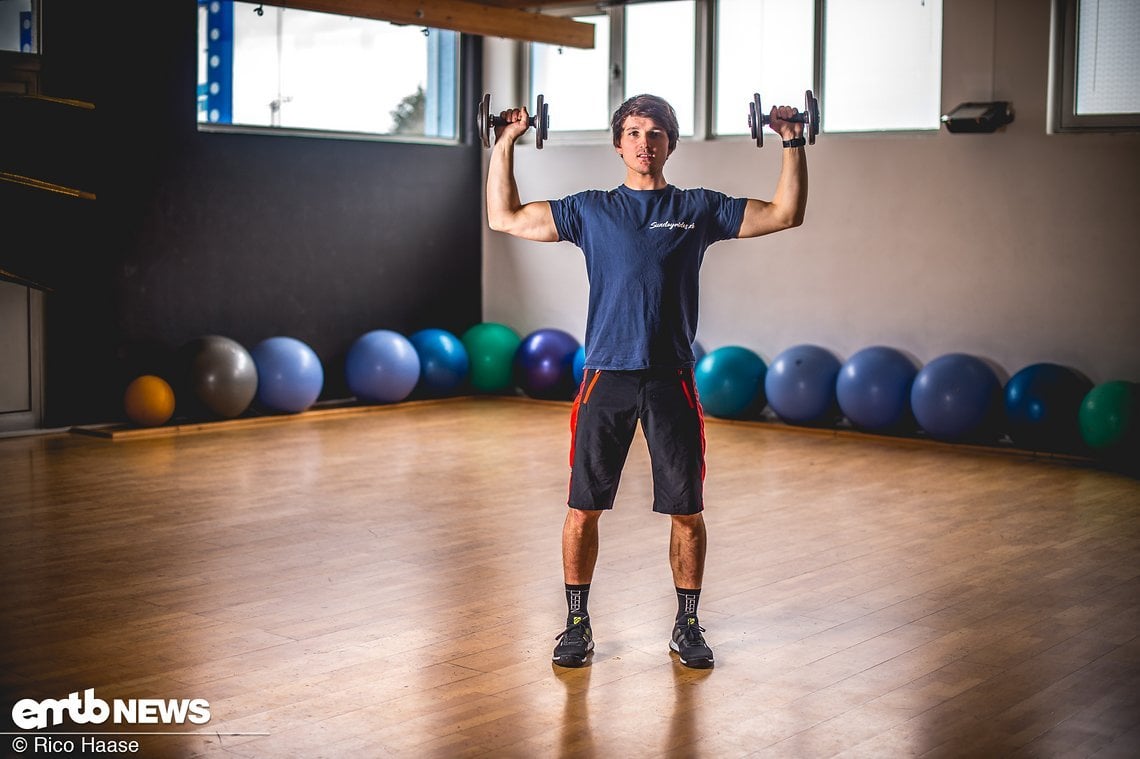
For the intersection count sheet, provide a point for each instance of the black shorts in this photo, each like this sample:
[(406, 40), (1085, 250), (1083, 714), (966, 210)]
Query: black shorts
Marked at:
[(602, 424)]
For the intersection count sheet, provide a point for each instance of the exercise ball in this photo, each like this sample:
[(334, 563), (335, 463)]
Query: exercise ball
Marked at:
[(579, 365), (801, 384), (490, 351), (873, 388), (954, 396), (730, 381), (221, 375), (289, 374), (381, 367), (149, 401), (544, 365), (1042, 403), (443, 361), (1109, 416)]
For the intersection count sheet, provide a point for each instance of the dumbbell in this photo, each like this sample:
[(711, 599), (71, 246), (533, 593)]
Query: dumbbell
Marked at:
[(757, 118), (485, 121)]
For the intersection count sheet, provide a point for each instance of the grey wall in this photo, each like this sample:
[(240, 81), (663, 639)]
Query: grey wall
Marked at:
[(1018, 246)]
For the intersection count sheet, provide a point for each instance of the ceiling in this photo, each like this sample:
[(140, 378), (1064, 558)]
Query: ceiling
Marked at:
[(513, 19)]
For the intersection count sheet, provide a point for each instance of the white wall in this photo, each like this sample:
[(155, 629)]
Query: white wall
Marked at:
[(1017, 246)]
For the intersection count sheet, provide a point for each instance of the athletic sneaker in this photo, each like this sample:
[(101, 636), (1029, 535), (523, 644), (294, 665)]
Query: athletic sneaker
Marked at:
[(690, 644), (575, 642)]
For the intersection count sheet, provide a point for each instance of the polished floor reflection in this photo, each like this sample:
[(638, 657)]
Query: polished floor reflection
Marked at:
[(387, 582)]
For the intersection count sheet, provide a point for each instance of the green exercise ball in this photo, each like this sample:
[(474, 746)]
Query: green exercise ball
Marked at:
[(490, 351), (1108, 415)]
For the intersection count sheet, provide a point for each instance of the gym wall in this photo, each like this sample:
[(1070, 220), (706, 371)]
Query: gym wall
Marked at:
[(1017, 246), (245, 236)]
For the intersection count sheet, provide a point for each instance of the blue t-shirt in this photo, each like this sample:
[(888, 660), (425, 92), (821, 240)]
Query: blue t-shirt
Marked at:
[(643, 252)]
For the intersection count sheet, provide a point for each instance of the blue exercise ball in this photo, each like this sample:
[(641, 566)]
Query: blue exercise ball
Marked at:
[(544, 365), (801, 384), (289, 374), (730, 381), (220, 375), (579, 365), (443, 361), (1042, 406), (873, 388), (955, 396), (382, 367)]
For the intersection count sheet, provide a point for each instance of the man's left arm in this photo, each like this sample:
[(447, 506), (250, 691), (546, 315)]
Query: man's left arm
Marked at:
[(788, 205)]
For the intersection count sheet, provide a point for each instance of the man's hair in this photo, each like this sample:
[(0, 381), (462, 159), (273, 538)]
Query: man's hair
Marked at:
[(649, 107)]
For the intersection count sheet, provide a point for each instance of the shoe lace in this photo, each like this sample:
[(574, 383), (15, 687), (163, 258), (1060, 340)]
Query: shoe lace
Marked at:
[(574, 632), (692, 632)]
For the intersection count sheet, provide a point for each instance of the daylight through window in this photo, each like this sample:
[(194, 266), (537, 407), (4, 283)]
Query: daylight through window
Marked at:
[(265, 66)]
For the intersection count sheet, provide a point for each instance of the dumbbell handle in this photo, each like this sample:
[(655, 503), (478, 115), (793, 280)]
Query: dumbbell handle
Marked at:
[(499, 121), (799, 118)]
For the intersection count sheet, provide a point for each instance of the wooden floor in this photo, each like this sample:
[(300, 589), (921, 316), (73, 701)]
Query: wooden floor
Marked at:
[(387, 583)]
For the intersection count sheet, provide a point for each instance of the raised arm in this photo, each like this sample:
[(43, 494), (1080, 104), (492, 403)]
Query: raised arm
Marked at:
[(788, 205), (505, 211)]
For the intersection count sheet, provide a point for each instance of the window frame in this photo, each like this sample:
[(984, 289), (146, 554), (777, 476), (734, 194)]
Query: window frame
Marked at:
[(1063, 116)]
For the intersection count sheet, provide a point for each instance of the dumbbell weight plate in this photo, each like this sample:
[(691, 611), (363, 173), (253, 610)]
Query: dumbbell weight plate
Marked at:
[(811, 110), (756, 120), (541, 122), (483, 121)]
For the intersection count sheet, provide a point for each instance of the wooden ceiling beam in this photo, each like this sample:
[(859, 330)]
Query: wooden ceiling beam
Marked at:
[(460, 16)]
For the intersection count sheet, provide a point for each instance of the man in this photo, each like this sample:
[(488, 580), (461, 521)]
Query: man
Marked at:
[(643, 243)]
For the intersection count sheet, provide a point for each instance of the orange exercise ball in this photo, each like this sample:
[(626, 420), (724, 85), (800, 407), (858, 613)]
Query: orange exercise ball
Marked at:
[(149, 401)]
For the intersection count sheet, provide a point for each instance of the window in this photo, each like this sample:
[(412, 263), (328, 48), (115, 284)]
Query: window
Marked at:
[(266, 66), (764, 46), (655, 52), (18, 26), (576, 80), (882, 65), (660, 55), (1096, 71)]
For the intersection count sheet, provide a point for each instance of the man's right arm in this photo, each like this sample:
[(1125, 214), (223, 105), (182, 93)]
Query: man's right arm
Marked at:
[(505, 211)]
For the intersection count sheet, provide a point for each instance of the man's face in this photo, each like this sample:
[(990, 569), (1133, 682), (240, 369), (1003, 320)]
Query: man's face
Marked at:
[(644, 146)]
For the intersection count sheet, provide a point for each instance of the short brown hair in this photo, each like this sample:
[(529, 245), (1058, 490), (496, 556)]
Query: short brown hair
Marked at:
[(649, 107)]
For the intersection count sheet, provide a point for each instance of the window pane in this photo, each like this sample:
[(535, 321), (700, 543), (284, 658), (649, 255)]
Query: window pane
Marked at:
[(17, 26), (574, 81), (660, 54), (1108, 57), (302, 70), (763, 46), (882, 65)]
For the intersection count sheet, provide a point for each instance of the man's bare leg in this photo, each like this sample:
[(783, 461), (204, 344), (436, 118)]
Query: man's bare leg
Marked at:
[(580, 546), (687, 546)]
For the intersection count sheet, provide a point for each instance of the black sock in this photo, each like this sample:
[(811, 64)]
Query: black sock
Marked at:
[(576, 598), (687, 601)]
